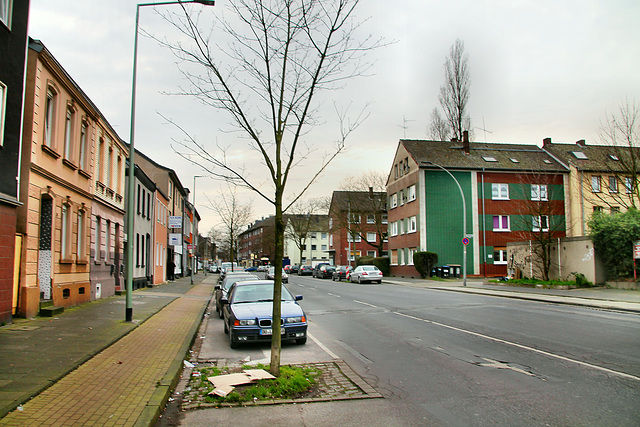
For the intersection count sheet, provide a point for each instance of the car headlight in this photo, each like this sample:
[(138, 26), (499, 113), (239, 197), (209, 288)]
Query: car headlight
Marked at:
[(248, 322), (298, 319)]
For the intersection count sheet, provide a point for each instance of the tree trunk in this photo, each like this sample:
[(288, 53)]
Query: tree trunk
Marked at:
[(276, 338)]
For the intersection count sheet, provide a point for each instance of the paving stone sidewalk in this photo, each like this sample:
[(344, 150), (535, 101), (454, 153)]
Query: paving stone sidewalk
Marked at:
[(128, 382)]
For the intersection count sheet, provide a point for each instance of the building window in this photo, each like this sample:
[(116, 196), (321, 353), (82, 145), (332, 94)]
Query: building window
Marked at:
[(393, 229), (144, 196), (501, 223), (323, 236), (138, 202), (413, 224), (82, 156), (411, 193), (371, 254), (354, 238), (500, 256), (119, 176), (540, 223), (394, 200), (65, 232), (539, 192), (81, 236), (314, 247), (3, 109), (330, 223), (384, 219), (400, 253), (628, 185), (108, 171), (595, 184), (107, 241), (49, 117), (613, 184), (314, 235), (401, 197), (371, 219), (354, 255), (355, 219), (68, 133), (615, 209), (406, 165), (371, 237), (597, 208), (323, 248), (137, 249), (396, 171), (500, 191), (6, 12), (331, 240), (149, 207), (410, 257), (96, 255)]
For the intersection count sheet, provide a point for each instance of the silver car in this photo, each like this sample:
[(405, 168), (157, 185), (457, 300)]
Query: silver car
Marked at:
[(271, 275), (366, 273)]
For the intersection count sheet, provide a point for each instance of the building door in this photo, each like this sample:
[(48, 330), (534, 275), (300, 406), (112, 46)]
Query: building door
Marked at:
[(116, 257), (45, 255)]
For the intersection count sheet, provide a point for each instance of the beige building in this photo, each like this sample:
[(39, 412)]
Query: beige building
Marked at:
[(601, 178), (56, 186)]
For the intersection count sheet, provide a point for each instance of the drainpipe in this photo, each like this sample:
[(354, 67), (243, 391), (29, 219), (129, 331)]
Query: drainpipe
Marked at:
[(484, 231), (559, 261)]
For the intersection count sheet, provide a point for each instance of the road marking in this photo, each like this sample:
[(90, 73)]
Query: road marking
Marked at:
[(333, 295), (364, 303), (525, 347), (500, 365), (322, 346)]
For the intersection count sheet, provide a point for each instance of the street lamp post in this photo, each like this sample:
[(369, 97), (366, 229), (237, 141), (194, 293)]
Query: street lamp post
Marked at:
[(131, 185), (194, 237), (464, 223)]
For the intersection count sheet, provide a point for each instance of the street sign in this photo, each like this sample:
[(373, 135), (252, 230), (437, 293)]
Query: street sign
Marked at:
[(174, 239), (465, 241), (636, 249), (175, 222)]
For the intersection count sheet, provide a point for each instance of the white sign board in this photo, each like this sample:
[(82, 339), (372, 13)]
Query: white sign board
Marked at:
[(175, 222), (175, 239), (636, 249)]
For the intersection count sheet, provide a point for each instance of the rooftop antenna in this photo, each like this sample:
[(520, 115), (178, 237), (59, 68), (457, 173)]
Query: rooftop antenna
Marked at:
[(484, 128), (404, 125)]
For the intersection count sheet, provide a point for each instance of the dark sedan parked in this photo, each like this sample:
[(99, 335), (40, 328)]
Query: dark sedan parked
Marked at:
[(324, 271), (222, 289), (305, 270), (247, 314), (340, 272)]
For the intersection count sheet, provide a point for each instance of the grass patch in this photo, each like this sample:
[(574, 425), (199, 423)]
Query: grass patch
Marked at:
[(293, 382)]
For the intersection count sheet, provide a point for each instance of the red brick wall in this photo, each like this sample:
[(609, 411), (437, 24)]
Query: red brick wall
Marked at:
[(7, 251)]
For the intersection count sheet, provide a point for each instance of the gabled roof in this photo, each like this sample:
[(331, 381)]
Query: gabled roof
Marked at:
[(595, 158), (357, 201), (482, 155)]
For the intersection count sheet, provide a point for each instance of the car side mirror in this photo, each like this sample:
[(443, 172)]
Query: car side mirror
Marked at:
[(298, 297)]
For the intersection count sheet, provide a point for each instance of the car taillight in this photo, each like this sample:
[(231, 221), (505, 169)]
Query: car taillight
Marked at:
[(364, 273)]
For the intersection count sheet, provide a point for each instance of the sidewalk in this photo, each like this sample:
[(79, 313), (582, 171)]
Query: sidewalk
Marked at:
[(125, 371), (611, 299)]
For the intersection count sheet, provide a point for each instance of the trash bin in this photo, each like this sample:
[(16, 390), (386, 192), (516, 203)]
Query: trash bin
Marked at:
[(455, 270), (445, 271)]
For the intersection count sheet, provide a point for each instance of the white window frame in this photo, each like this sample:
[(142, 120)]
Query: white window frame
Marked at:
[(536, 222), (628, 185), (354, 239), (65, 231), (499, 191), (394, 200), (613, 189), (401, 197), (81, 236), (372, 237), (393, 228), (502, 257), (50, 108), (539, 192), (371, 253), (3, 110), (68, 132), (384, 219), (596, 185), (500, 217), (6, 12), (412, 251), (411, 190), (371, 219)]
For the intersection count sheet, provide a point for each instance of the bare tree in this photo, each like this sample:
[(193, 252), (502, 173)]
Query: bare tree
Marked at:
[(621, 131), (282, 53), (234, 215), (454, 95)]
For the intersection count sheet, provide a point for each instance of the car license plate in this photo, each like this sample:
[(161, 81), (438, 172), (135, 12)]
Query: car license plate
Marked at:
[(270, 331)]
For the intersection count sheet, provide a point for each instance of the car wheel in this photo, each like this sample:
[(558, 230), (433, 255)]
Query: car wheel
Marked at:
[(301, 341), (360, 280), (220, 313), (379, 282), (233, 343)]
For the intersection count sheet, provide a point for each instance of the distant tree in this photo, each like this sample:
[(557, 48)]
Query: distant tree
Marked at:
[(302, 219), (453, 98), (234, 215), (621, 131)]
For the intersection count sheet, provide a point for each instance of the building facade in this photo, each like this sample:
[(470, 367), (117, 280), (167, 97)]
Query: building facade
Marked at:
[(511, 192), (307, 239), (13, 47), (161, 237)]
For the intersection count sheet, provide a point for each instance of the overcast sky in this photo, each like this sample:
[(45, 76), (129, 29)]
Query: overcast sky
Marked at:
[(539, 68)]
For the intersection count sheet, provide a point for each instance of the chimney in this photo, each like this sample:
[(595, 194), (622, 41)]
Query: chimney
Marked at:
[(371, 193), (465, 142), (581, 143), (545, 142)]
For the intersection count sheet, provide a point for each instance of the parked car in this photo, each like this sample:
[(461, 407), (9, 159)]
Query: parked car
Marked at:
[(222, 289), (305, 270), (213, 268), (366, 273), (262, 268), (324, 271), (247, 311), (251, 269), (294, 269), (271, 275), (231, 274), (340, 272)]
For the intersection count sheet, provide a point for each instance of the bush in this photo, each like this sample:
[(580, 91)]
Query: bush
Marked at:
[(613, 237), (384, 264), (364, 260), (424, 262)]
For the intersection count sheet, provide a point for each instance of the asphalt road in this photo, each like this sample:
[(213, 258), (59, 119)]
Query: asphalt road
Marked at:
[(446, 358)]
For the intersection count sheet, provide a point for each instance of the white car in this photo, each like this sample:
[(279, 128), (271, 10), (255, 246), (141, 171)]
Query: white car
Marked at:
[(366, 273), (271, 275)]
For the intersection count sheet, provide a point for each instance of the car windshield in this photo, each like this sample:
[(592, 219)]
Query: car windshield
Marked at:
[(258, 293), (226, 284)]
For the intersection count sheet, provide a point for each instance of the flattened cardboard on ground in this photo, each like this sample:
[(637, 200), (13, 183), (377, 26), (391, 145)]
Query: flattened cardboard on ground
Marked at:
[(224, 383)]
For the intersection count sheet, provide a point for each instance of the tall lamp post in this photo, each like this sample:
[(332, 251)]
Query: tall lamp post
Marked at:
[(464, 223), (131, 185), (194, 237)]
